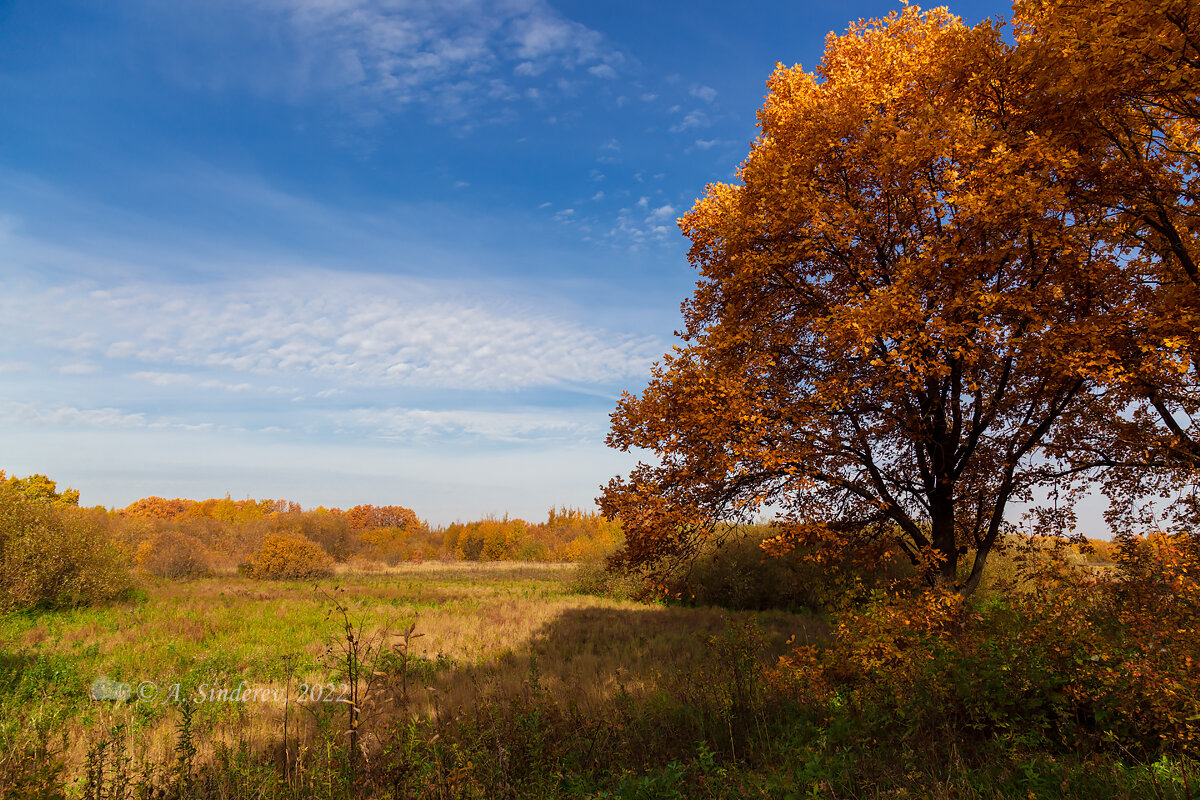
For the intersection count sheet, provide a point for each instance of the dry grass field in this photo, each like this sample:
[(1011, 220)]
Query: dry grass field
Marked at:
[(477, 681), (480, 631)]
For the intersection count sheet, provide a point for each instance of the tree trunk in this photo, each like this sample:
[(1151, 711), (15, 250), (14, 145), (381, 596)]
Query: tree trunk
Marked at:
[(944, 545)]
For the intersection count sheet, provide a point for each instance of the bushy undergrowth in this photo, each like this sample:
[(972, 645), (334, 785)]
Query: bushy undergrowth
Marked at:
[(289, 556), (1072, 683), (1067, 660), (596, 579), (55, 556), (719, 731), (739, 573), (173, 554)]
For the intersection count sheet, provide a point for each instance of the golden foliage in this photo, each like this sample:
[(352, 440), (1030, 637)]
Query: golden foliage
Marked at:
[(173, 554), (40, 489), (1071, 659), (289, 556), (894, 313), (53, 555), (1115, 87), (958, 269), (368, 517)]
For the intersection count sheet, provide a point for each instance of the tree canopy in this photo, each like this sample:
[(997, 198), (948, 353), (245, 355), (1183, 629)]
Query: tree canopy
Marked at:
[(917, 307), (40, 489), (1115, 85)]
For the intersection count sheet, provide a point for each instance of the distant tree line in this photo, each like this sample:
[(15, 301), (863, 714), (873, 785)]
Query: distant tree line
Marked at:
[(52, 552)]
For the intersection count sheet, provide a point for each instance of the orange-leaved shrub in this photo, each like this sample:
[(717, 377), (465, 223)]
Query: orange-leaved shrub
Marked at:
[(328, 529), (574, 534), (1069, 658), (289, 556), (173, 554)]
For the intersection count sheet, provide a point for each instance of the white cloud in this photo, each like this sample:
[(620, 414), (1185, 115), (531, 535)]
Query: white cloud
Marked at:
[(33, 414), (653, 227), (445, 56), (506, 426), (163, 379), (168, 379), (603, 71), (706, 144), (411, 424), (79, 368), (225, 387), (693, 119), (335, 328), (705, 93)]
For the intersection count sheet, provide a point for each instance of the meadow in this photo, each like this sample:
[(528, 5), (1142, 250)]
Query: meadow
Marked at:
[(477, 680), (479, 633), (251, 649)]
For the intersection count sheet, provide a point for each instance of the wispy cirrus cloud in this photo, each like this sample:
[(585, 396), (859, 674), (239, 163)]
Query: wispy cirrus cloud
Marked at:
[(35, 414), (169, 379), (413, 426), (692, 119), (642, 224), (416, 424), (453, 59), (333, 329)]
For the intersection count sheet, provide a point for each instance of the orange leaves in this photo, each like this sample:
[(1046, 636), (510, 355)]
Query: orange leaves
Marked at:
[(893, 306), (1073, 659), (1113, 82), (289, 556), (367, 517), (158, 508), (224, 509)]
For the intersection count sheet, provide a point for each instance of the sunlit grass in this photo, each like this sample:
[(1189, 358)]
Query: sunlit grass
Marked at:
[(480, 626)]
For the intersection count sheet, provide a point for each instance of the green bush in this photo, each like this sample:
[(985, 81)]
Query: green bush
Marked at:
[(52, 556), (592, 577), (739, 574)]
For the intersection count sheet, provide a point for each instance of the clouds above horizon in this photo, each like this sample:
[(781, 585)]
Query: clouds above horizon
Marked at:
[(418, 425), (357, 250), (339, 329), (309, 356)]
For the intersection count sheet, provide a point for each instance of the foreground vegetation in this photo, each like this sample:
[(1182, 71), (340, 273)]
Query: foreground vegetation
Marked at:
[(810, 672), (505, 680)]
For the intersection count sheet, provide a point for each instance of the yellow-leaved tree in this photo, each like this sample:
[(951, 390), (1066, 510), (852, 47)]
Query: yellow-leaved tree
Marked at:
[(900, 313), (1116, 87)]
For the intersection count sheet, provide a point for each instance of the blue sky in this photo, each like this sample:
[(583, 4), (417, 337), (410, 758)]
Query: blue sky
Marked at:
[(346, 251)]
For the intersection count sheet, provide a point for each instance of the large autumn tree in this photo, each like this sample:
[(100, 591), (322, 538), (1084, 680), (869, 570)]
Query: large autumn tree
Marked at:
[(898, 312), (1117, 85)]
